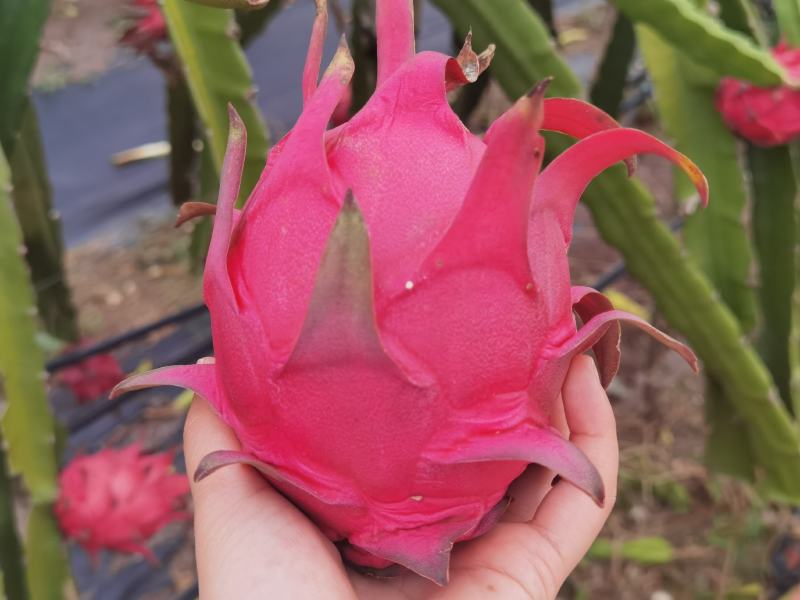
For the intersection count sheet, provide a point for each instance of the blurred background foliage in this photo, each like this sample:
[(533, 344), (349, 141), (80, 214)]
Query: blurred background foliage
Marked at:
[(728, 280)]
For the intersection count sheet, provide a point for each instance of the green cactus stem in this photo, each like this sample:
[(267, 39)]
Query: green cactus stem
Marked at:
[(28, 427), (625, 214), (41, 229)]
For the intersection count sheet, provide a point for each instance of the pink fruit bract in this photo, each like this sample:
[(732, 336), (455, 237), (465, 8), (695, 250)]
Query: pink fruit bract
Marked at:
[(764, 116), (392, 312), (117, 499)]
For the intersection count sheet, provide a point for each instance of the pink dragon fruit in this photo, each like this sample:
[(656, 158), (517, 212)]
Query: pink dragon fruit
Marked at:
[(764, 116), (392, 313), (92, 377), (117, 499), (148, 27)]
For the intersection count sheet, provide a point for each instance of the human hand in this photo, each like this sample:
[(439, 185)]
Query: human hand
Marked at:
[(251, 542)]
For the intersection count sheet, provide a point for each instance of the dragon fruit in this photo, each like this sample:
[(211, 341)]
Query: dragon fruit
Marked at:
[(764, 116), (391, 311), (147, 29), (92, 377), (118, 498)]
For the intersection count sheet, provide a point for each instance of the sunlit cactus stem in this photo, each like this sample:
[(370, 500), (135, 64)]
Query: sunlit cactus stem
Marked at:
[(28, 427)]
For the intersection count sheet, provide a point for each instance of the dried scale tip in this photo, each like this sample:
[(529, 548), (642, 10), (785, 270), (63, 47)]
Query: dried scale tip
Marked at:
[(392, 313), (116, 499), (540, 88), (470, 65)]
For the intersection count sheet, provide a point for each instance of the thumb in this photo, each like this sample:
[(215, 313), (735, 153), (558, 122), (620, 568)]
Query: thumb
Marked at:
[(249, 539)]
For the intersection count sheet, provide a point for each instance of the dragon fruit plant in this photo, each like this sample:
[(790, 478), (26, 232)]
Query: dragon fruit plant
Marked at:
[(117, 499), (764, 116), (392, 313)]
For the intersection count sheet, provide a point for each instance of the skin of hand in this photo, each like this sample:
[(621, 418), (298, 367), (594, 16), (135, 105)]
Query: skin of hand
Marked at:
[(251, 542)]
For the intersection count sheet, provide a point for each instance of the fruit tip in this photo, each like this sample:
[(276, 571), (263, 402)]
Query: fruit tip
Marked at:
[(342, 61), (539, 89), (236, 125), (118, 389)]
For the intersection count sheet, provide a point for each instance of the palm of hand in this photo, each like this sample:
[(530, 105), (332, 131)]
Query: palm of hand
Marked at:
[(253, 543)]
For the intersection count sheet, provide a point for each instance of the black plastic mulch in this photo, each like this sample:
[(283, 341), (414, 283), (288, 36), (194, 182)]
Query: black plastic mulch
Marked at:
[(95, 425)]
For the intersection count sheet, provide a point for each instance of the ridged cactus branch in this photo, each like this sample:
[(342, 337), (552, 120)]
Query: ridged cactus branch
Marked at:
[(788, 17), (788, 13), (182, 132), (218, 73), (794, 333), (41, 229), (625, 215), (13, 571), (608, 88), (741, 16), (28, 426), (687, 26), (21, 24), (716, 237), (774, 192)]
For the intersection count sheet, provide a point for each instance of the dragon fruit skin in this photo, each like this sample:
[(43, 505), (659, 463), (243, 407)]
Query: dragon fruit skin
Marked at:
[(764, 116), (118, 498), (392, 312)]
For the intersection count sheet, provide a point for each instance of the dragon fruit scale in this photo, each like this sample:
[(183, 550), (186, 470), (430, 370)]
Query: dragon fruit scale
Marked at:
[(391, 311), (117, 499)]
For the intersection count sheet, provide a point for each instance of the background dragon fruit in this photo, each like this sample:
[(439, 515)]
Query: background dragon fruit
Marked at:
[(763, 116), (392, 312), (117, 499), (92, 377), (147, 28)]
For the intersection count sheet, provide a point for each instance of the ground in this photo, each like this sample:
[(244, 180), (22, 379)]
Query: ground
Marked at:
[(677, 531)]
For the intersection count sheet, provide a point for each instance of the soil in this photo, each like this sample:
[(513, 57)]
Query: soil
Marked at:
[(121, 286), (719, 532), (80, 41)]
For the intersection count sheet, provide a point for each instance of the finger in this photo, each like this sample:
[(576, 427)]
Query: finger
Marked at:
[(567, 517), (248, 537), (526, 493), (558, 417), (204, 433)]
